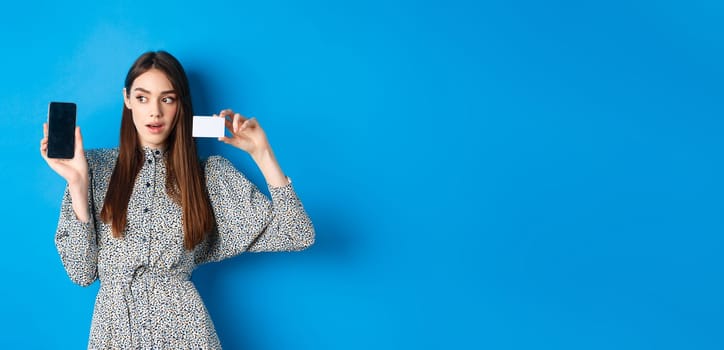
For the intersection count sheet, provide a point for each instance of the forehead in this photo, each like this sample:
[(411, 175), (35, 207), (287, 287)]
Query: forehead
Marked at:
[(153, 80)]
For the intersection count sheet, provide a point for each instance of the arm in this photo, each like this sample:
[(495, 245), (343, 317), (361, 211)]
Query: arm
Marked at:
[(76, 242), (74, 171), (75, 237), (248, 136), (246, 220), (290, 227), (243, 214)]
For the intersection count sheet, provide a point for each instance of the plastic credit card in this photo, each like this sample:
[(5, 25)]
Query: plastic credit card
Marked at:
[(205, 126)]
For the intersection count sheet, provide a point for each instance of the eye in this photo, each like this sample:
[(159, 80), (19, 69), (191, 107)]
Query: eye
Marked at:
[(169, 99), (141, 98)]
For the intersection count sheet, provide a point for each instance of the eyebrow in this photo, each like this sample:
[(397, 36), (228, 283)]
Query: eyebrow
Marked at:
[(148, 92)]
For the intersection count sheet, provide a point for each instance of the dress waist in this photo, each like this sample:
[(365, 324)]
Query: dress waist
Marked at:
[(143, 273), (135, 286)]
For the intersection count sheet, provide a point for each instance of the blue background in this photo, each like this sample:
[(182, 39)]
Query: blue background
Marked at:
[(491, 175)]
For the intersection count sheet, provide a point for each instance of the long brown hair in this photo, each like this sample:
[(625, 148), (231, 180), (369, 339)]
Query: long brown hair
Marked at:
[(184, 180)]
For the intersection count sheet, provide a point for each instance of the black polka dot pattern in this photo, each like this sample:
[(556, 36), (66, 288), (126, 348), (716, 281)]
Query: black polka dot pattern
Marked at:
[(146, 299)]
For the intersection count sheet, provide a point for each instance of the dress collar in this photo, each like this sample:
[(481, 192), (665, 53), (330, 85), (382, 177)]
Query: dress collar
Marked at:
[(151, 152)]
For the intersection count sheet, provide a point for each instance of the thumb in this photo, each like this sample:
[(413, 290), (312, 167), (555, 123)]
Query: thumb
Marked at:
[(78, 140)]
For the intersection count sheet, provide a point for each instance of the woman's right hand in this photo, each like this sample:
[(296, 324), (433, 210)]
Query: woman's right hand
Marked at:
[(74, 171)]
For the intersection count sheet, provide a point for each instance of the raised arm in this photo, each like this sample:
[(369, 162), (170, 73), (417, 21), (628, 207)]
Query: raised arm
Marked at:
[(76, 242), (74, 171), (75, 237), (246, 219), (247, 135)]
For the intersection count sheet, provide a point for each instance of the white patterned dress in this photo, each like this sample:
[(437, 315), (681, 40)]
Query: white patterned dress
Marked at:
[(146, 300)]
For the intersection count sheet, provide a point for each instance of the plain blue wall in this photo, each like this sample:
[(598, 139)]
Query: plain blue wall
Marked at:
[(490, 175)]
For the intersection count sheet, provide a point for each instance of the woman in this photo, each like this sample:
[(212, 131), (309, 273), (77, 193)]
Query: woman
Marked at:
[(141, 217)]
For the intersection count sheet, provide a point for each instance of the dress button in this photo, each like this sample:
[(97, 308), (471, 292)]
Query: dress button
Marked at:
[(148, 184), (145, 210), (158, 152)]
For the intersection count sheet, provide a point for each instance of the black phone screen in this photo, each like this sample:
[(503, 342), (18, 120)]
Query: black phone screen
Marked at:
[(61, 130)]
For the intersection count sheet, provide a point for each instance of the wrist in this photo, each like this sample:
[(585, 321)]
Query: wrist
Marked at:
[(264, 156), (267, 163), (79, 186), (78, 191), (81, 182)]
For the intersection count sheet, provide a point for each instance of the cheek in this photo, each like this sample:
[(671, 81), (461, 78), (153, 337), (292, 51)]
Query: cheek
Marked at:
[(137, 110), (170, 110), (138, 124)]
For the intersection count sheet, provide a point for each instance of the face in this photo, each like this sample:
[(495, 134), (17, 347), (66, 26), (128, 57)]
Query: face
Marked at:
[(153, 103)]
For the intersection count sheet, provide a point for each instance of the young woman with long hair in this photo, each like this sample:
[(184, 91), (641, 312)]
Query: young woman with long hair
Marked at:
[(141, 217)]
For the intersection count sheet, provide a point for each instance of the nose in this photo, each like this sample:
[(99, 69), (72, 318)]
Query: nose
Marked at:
[(155, 110)]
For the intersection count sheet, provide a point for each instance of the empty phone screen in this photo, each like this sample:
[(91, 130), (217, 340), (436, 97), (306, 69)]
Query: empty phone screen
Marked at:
[(61, 130)]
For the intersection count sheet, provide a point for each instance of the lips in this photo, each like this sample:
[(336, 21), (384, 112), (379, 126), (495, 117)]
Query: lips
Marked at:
[(155, 128)]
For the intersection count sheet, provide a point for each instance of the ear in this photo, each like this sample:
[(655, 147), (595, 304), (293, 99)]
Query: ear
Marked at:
[(126, 99)]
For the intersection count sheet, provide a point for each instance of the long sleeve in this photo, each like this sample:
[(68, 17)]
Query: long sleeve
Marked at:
[(247, 220), (76, 242)]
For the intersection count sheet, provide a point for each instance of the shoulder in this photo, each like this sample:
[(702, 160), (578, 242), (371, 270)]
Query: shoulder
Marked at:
[(216, 164), (101, 159), (221, 173)]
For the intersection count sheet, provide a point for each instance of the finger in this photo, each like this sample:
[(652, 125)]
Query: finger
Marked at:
[(44, 149), (250, 123), (78, 141), (45, 129), (226, 112), (78, 136), (237, 121)]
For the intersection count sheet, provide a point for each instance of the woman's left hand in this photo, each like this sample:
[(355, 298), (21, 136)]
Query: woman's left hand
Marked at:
[(246, 133)]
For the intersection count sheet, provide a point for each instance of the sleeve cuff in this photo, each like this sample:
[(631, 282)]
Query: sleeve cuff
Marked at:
[(285, 196)]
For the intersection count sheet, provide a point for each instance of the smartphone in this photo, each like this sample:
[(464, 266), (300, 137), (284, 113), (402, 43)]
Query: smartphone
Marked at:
[(61, 130)]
